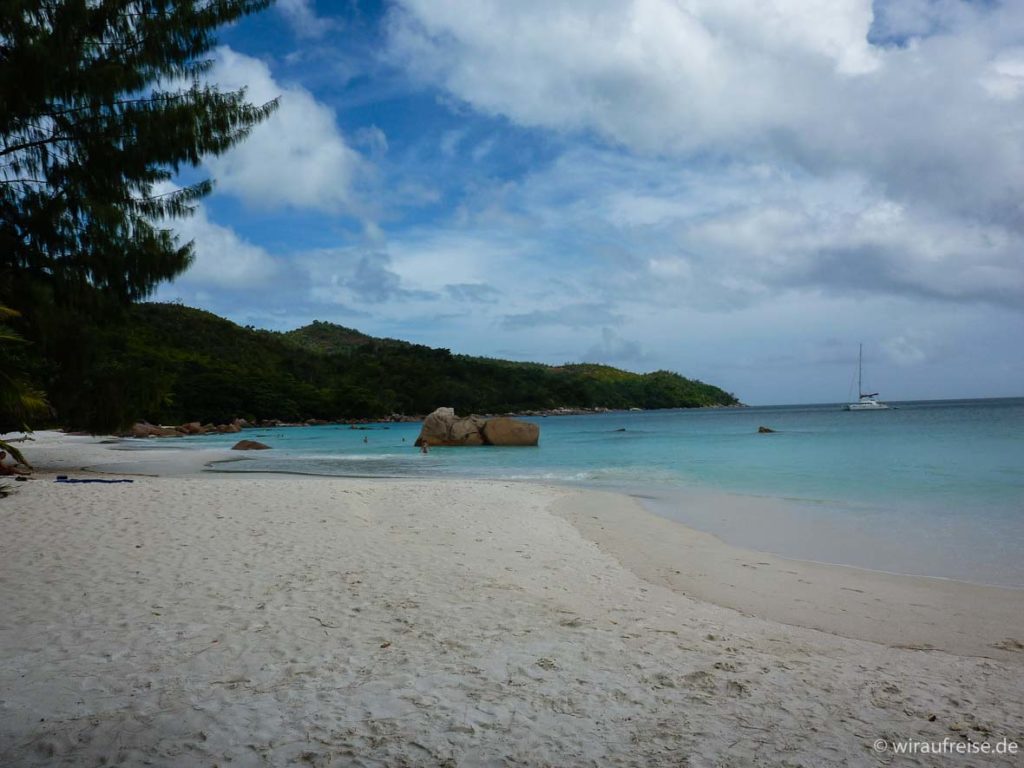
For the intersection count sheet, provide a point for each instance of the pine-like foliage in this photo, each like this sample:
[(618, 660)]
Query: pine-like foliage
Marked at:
[(20, 402), (99, 101)]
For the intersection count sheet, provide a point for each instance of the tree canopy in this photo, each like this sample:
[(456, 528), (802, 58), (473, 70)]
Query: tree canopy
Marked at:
[(100, 101)]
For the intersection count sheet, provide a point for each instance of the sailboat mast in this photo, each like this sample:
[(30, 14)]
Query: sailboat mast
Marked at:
[(860, 370)]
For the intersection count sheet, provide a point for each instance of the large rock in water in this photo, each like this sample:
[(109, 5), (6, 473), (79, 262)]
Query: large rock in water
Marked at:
[(443, 427), (466, 431), (506, 431)]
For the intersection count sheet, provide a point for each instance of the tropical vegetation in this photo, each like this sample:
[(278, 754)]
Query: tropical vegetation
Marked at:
[(102, 103), (167, 363)]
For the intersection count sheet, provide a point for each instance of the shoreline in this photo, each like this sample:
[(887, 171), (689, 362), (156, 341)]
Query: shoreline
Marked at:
[(835, 598), (706, 496), (273, 619), (838, 542), (892, 609), (738, 504), (921, 612)]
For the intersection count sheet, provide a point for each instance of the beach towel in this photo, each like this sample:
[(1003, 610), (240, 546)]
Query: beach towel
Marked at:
[(66, 479)]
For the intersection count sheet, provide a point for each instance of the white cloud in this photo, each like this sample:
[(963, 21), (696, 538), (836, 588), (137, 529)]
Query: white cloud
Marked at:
[(297, 157), (834, 30), (786, 82), (722, 236), (654, 75), (1004, 78), (836, 164), (302, 18), (223, 260)]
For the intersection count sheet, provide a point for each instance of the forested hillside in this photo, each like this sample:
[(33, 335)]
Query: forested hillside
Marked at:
[(169, 363)]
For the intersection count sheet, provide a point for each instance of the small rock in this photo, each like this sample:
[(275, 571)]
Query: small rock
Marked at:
[(249, 445)]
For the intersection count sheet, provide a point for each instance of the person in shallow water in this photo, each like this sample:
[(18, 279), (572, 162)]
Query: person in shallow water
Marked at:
[(424, 448)]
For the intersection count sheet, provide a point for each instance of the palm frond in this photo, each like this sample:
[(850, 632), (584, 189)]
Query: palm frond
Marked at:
[(15, 453)]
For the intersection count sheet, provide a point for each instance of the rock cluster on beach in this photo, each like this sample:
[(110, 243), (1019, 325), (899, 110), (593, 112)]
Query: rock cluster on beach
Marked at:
[(443, 427), (145, 429)]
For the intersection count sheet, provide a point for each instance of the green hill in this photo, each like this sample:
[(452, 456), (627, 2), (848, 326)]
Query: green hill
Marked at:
[(168, 363), (328, 337)]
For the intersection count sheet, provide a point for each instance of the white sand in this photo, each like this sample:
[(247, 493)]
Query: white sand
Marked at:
[(272, 620)]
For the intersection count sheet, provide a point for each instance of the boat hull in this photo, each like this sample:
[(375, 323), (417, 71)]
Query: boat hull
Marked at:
[(866, 407)]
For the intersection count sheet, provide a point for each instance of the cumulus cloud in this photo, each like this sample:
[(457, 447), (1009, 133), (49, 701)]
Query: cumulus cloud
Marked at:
[(922, 128), (845, 238), (724, 236), (651, 74), (223, 259), (297, 158)]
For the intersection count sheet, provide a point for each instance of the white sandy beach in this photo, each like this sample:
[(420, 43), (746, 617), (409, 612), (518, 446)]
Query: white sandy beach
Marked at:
[(207, 619)]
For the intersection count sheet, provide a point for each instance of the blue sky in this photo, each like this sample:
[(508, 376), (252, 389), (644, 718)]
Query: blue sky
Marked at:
[(739, 190)]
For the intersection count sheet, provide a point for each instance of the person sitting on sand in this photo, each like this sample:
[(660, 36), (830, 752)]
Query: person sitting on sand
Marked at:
[(8, 466)]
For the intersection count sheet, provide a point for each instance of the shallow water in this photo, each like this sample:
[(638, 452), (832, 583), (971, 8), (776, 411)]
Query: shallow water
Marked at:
[(932, 488)]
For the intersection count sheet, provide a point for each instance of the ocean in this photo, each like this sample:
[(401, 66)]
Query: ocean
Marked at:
[(933, 488)]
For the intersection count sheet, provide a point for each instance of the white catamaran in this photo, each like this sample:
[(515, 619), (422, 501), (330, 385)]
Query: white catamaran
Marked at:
[(867, 402)]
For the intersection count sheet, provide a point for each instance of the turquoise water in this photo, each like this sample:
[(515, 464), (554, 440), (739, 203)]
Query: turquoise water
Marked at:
[(932, 488)]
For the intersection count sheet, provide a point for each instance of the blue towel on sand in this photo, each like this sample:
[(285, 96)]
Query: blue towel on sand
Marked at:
[(66, 479)]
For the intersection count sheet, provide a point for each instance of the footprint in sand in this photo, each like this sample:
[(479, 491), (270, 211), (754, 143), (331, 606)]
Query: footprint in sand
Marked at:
[(734, 688), (701, 680), (1009, 644)]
